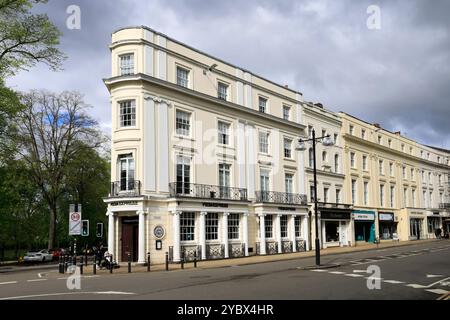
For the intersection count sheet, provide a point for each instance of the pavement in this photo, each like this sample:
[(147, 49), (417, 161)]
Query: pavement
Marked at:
[(416, 271)]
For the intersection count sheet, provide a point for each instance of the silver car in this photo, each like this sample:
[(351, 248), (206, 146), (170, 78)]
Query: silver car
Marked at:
[(39, 256)]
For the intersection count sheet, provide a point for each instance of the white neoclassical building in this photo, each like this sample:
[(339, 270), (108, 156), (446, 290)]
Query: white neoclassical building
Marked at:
[(203, 158)]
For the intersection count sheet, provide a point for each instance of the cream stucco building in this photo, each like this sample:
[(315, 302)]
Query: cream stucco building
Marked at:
[(398, 187), (203, 155), (204, 163)]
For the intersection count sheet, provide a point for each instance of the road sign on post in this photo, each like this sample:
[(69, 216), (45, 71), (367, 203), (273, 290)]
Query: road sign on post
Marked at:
[(99, 230), (85, 228), (75, 220)]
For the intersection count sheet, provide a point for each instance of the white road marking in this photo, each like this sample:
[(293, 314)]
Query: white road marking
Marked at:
[(10, 282), (67, 293), (354, 275), (416, 286), (393, 281), (62, 278), (319, 270), (337, 272), (437, 291), (91, 277), (360, 271), (36, 280), (434, 276)]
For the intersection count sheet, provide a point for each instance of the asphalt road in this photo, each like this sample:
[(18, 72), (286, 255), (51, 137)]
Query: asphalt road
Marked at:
[(418, 272)]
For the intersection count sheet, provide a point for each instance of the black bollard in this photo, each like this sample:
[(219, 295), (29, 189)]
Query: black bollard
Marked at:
[(148, 262), (74, 261), (66, 263), (81, 266), (167, 261), (111, 266), (195, 259), (182, 263), (94, 267), (129, 263), (60, 265), (85, 260)]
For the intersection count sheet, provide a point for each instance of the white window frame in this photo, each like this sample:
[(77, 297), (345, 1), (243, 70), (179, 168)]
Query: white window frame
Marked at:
[(223, 132), (126, 67), (286, 112), (220, 94), (287, 148), (132, 114), (182, 82), (182, 130), (266, 105), (264, 142)]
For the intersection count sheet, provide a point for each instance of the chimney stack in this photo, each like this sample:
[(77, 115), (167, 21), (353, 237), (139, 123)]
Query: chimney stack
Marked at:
[(377, 125)]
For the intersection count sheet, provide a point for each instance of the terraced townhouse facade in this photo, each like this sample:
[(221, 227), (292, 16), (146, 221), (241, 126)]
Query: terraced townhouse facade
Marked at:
[(204, 162)]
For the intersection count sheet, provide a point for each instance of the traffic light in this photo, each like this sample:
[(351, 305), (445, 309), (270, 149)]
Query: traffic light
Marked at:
[(85, 228), (99, 230)]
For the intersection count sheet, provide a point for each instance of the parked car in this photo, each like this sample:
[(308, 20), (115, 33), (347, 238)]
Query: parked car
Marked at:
[(56, 253), (38, 256)]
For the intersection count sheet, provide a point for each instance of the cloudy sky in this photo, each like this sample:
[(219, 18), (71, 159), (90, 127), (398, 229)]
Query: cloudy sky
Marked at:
[(398, 76)]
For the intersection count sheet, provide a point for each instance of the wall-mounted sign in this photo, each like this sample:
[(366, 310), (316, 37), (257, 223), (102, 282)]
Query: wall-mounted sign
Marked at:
[(124, 203), (364, 216), (335, 215), (215, 205), (286, 209), (159, 232), (386, 216)]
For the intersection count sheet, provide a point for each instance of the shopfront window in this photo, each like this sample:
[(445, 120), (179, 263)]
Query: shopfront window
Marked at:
[(332, 231)]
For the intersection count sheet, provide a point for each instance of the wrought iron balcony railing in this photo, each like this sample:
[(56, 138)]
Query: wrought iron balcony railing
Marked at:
[(125, 188), (281, 197), (204, 191), (445, 206)]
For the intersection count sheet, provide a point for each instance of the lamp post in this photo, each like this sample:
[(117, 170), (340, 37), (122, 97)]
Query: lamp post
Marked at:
[(327, 142)]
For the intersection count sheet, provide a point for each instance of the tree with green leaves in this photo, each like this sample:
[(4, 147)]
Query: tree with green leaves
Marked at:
[(53, 128), (26, 38)]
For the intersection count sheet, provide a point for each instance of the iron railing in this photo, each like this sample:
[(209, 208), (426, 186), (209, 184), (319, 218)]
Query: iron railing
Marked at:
[(444, 206), (271, 247), (236, 250), (286, 246), (301, 245), (125, 188), (203, 191), (215, 251), (281, 197)]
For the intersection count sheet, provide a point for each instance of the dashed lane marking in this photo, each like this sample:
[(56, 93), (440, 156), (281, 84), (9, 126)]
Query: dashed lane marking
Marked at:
[(435, 276), (319, 270), (36, 280), (10, 282), (416, 286), (337, 272), (354, 275), (393, 281)]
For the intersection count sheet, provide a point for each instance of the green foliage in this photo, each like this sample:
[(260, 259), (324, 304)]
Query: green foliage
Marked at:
[(26, 39)]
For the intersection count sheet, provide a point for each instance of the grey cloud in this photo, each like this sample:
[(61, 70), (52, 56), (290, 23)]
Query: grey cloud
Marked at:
[(397, 76)]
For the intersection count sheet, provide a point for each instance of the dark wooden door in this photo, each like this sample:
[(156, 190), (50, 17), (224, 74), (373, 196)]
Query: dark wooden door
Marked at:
[(130, 235)]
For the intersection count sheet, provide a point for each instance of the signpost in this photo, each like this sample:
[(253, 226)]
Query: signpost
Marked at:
[(75, 220)]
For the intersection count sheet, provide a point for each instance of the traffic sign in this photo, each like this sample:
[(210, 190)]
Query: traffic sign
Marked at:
[(75, 220)]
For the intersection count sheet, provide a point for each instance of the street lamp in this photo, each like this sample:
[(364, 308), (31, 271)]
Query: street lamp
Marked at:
[(327, 142)]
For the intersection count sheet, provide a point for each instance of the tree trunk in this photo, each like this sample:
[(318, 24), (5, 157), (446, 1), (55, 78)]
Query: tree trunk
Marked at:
[(52, 227)]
